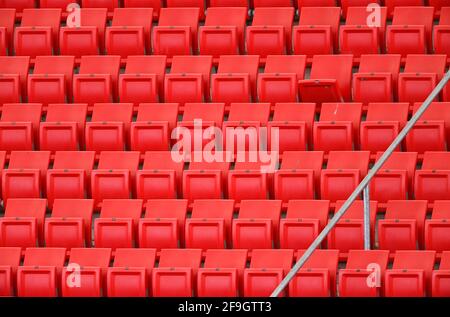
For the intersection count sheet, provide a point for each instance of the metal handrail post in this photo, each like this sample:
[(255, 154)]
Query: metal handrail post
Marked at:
[(365, 182), (366, 194)]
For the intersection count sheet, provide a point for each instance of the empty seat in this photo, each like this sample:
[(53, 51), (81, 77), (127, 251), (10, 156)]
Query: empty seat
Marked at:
[(377, 78), (131, 272), (62, 4), (70, 224), (270, 32), (118, 223), (13, 79), (440, 277), (258, 224), (410, 275), (23, 223), (210, 224), (441, 34), (41, 272), (392, 4), (109, 128), (143, 80), (91, 265), (19, 5), (177, 272), (363, 266), (403, 225), (176, 33), (272, 3), (437, 228), (432, 182), (156, 5), (70, 175), (223, 32), (267, 269), (318, 31), (338, 127), (9, 261), (109, 4), (228, 3), (329, 81), (129, 33), (315, 3), (38, 32), (305, 219), (163, 224), (7, 21), (200, 4), (344, 172), (222, 273)]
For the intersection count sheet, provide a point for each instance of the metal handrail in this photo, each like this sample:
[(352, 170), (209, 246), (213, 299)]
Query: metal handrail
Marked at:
[(362, 186)]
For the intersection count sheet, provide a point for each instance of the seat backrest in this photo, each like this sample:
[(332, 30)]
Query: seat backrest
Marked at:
[(133, 17), (322, 259), (107, 64), (309, 209), (356, 210), (205, 111), (29, 112), (445, 261), (401, 161), (272, 259), (213, 208), (342, 112), (185, 258), (445, 16), (119, 160), (94, 17), (229, 259), (145, 258), (361, 259), (422, 260), (158, 112), (414, 16), (97, 257), (349, 160), (389, 63), (321, 16), (286, 64), (179, 17), (436, 111), (303, 160), (45, 257), (239, 64), (62, 4), (167, 208), (228, 3), (74, 160), (261, 209), (16, 65), (232, 16), (388, 112), (436, 161), (10, 256), (406, 209), (358, 15), (271, 3), (161, 160), (30, 159), (417, 63), (76, 208), (316, 3), (441, 209), (121, 112), (122, 208), (274, 16), (295, 112), (109, 4), (26, 207), (250, 112), (55, 65)]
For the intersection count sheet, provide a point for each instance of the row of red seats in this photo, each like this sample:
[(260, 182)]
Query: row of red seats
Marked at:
[(213, 224), (225, 32), (224, 273)]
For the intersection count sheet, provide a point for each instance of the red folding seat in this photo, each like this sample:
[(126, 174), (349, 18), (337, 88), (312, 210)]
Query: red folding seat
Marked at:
[(318, 31), (291, 126), (305, 219), (19, 126), (348, 233), (228, 3), (384, 121), (38, 32), (403, 225), (441, 33), (200, 4), (235, 80), (272, 3), (394, 181), (23, 223), (432, 131), (41, 272), (9, 261), (156, 5), (317, 277), (129, 33), (363, 266), (109, 128), (163, 224), (221, 274), (70, 176), (143, 80), (177, 272), (432, 182), (70, 224), (271, 31), (25, 176), (131, 273), (258, 224), (86, 272), (87, 38), (298, 176), (329, 81), (118, 223), (188, 80), (176, 33), (223, 32), (437, 228), (97, 79), (346, 4), (392, 4), (160, 177), (210, 224), (410, 275), (267, 269), (279, 81), (243, 128), (61, 4), (315, 3), (115, 176), (345, 170), (13, 78), (440, 278), (109, 4), (153, 127), (357, 36), (19, 5), (338, 127), (7, 21)]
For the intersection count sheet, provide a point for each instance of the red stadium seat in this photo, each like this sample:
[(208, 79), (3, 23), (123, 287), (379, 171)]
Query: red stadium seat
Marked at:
[(13, 79), (109, 4), (437, 228), (410, 275), (267, 269), (200, 4), (210, 224), (432, 182), (441, 33), (41, 272), (23, 223), (19, 5), (62, 4), (346, 4), (9, 261), (403, 225), (70, 224), (305, 219), (7, 21), (361, 267), (228, 3), (156, 5), (315, 3), (177, 272), (164, 223), (176, 33), (392, 4), (272, 3), (440, 277), (91, 265)]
